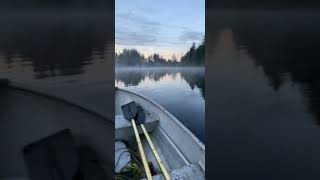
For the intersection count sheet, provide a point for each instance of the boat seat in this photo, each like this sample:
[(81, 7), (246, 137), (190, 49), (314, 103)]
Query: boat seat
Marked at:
[(123, 127)]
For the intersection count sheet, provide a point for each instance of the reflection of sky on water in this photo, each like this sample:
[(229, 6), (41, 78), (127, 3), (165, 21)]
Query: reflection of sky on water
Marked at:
[(168, 79)]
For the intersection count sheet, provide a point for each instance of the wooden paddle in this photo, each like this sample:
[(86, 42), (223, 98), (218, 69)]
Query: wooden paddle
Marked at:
[(129, 110)]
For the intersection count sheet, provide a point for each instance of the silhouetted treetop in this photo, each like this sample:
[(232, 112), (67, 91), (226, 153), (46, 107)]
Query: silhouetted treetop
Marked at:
[(195, 56)]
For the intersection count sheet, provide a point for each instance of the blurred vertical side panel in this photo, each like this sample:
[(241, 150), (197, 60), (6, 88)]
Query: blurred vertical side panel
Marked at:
[(57, 89), (262, 78)]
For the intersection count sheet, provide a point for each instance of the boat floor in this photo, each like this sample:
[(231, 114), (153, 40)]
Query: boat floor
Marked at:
[(186, 172)]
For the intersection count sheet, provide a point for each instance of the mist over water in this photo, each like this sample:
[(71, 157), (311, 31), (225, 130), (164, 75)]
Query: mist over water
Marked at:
[(264, 100)]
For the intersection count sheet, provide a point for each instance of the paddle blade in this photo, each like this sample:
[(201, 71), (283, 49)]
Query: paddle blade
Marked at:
[(141, 116), (129, 110)]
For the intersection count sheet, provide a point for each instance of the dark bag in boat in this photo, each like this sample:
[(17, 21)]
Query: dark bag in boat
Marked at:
[(56, 157), (89, 165), (52, 158)]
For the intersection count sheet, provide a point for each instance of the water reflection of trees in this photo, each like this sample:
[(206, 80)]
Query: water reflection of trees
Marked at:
[(287, 49), (133, 78), (54, 44), (195, 78)]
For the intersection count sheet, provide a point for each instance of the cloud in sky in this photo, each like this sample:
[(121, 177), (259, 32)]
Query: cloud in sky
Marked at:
[(132, 29), (165, 27), (191, 36)]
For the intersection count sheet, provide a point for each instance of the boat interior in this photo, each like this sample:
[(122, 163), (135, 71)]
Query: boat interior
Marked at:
[(182, 156)]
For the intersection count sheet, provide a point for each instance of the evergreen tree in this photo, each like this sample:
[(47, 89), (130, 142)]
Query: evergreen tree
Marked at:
[(195, 56), (130, 57)]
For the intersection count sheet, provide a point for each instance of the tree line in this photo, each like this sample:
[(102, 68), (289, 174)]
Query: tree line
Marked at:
[(132, 57)]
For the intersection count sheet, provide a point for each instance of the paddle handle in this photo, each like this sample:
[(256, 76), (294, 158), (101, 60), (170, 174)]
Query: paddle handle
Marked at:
[(142, 154), (155, 153)]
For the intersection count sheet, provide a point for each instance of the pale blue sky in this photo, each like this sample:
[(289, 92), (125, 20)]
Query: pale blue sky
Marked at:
[(166, 27)]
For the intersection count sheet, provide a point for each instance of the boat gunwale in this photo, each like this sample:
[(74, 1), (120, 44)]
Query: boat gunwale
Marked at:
[(31, 90)]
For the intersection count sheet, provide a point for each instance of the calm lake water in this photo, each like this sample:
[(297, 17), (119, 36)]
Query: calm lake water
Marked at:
[(263, 75), (179, 90)]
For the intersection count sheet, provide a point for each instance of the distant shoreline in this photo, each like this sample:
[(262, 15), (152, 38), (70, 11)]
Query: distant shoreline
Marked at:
[(160, 68)]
